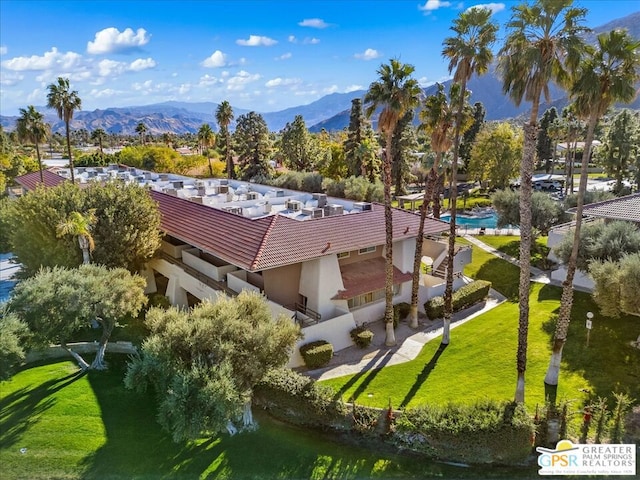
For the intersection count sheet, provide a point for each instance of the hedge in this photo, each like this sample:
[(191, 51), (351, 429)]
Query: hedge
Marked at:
[(362, 336), (316, 354), (464, 297), (487, 432)]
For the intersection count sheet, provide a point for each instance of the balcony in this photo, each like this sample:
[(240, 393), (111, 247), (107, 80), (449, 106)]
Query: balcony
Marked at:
[(240, 280), (207, 264)]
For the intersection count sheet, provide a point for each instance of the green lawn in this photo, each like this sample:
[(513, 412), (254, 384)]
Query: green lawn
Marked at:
[(88, 426), (510, 245), (480, 361)]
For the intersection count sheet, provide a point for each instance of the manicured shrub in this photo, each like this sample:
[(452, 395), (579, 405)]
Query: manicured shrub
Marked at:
[(464, 297), (400, 312), (316, 354), (300, 400), (362, 336), (487, 432)]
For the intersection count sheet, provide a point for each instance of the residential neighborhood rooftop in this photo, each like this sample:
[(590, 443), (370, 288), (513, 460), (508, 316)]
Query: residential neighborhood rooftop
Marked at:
[(623, 208)]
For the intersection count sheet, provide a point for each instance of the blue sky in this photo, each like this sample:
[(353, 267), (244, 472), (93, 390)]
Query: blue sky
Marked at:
[(259, 55)]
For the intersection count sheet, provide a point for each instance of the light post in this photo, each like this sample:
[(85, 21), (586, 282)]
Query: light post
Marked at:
[(589, 325)]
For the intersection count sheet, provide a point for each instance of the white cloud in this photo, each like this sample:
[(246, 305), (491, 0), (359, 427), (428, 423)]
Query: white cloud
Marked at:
[(292, 39), (284, 56), (216, 60), (10, 78), (331, 89), (256, 41), (276, 82), (494, 7), (142, 86), (368, 54), (111, 40), (312, 41), (141, 64), (240, 79), (207, 80), (434, 5), (48, 61), (108, 68), (104, 93), (3, 50), (353, 88), (313, 23)]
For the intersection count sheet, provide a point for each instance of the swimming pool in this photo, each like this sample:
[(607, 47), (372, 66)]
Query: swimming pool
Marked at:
[(489, 220)]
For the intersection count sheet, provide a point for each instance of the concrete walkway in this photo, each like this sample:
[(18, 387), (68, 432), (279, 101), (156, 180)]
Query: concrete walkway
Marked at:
[(409, 343)]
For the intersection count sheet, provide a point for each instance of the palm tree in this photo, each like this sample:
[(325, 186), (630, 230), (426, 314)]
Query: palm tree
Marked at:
[(141, 129), (98, 135), (206, 138), (80, 225), (32, 128), (437, 119), (224, 116), (607, 75), (543, 44), (396, 92), (65, 102), (469, 53)]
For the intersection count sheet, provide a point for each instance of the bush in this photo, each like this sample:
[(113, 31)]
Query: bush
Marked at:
[(300, 400), (400, 312), (316, 354), (487, 432), (465, 297), (362, 336)]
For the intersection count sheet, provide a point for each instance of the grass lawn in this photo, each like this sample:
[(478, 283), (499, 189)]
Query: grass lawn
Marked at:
[(480, 361), (88, 426), (510, 245)]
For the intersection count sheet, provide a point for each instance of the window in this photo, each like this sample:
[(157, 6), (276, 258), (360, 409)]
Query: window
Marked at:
[(370, 297), (344, 255), (364, 251)]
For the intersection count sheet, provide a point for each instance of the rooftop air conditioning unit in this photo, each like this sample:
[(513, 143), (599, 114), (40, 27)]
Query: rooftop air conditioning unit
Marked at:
[(147, 175), (199, 183), (178, 184), (80, 169), (223, 188), (132, 169), (293, 205), (266, 208), (362, 206), (99, 169), (236, 210), (252, 196), (321, 198), (171, 191), (92, 174), (197, 199), (331, 210), (313, 212), (164, 177), (279, 193), (224, 181)]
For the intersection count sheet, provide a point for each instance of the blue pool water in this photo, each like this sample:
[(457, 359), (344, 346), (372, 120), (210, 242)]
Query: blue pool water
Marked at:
[(486, 221)]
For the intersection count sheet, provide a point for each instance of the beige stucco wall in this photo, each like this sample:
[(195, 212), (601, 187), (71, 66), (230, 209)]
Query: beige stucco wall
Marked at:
[(320, 280), (281, 284), (354, 256)]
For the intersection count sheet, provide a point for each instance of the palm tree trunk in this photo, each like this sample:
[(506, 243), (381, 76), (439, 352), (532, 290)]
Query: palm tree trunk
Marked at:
[(436, 196), (39, 163), (84, 246), (429, 188), (390, 338), (73, 178), (566, 300)]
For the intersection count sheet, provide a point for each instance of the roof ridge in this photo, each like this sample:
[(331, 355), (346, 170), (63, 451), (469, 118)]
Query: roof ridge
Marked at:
[(265, 238)]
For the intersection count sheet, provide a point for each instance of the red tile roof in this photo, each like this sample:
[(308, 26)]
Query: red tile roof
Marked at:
[(622, 208), (267, 242), (366, 276), (31, 180)]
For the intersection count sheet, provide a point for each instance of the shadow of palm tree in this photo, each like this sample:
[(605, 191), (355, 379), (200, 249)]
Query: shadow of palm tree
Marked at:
[(386, 357), (367, 368), (504, 277), (423, 375)]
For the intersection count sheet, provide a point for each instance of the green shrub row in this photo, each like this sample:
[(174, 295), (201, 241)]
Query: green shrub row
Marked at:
[(362, 336), (316, 354), (486, 432), (464, 297), (300, 400)]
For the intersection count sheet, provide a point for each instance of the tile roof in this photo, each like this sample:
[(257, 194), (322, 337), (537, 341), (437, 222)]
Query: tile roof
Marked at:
[(31, 180), (267, 242), (366, 276), (622, 208)]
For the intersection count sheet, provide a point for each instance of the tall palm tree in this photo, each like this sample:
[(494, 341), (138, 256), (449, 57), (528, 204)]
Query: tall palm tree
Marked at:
[(64, 101), (206, 138), (469, 53), (607, 75), (32, 128), (437, 118), (98, 135), (141, 129), (80, 225), (543, 44), (396, 92), (224, 116)]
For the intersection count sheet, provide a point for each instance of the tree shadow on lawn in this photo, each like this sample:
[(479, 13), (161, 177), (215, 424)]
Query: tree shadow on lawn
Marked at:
[(610, 364), (370, 373), (22, 409), (137, 447), (504, 277), (423, 375)]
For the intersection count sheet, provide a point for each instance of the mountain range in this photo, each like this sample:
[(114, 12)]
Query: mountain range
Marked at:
[(330, 112)]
